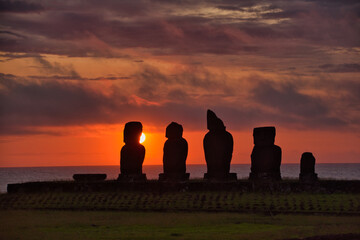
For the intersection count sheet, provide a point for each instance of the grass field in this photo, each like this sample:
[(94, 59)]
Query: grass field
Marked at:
[(211, 201), (50, 224), (177, 215)]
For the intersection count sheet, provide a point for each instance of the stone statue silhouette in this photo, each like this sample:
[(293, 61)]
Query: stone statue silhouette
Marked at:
[(218, 147), (307, 168), (265, 157), (132, 153), (175, 154)]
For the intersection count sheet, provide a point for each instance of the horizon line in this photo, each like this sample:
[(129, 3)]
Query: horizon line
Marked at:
[(160, 165)]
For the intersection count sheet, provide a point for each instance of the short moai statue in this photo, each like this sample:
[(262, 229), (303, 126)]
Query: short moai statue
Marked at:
[(218, 147), (265, 156), (132, 154), (175, 154), (307, 168)]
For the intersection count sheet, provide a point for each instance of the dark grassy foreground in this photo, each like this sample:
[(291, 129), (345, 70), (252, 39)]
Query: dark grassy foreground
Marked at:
[(32, 224), (195, 210), (207, 201)]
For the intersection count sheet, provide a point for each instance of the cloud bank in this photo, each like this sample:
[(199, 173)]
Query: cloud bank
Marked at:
[(288, 63)]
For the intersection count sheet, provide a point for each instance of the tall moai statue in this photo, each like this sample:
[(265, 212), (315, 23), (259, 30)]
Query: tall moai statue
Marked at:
[(265, 156), (307, 168), (175, 154), (132, 154), (218, 148)]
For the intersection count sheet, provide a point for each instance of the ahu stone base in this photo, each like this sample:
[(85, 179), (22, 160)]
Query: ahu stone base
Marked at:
[(132, 177), (89, 177), (265, 176), (308, 177), (229, 177), (174, 177)]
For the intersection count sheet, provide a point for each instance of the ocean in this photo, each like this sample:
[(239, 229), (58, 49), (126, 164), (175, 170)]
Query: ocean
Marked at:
[(340, 171)]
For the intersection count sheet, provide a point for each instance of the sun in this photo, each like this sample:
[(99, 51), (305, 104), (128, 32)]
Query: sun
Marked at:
[(142, 138)]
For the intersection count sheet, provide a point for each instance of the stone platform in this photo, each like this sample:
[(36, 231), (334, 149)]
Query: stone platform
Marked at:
[(285, 186)]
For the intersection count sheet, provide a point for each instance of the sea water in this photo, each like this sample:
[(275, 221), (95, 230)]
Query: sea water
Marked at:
[(340, 171)]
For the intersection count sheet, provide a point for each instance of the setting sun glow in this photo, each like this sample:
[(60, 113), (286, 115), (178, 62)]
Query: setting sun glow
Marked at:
[(142, 138)]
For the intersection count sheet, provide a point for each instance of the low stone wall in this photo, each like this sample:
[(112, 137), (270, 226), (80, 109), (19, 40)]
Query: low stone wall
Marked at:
[(285, 186)]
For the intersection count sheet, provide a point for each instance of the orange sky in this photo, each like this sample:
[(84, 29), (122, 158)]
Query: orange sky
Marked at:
[(73, 73), (104, 148)]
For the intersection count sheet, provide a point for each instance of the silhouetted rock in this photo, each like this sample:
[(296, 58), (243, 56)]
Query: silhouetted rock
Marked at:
[(175, 154), (265, 156), (132, 153), (218, 148), (307, 168)]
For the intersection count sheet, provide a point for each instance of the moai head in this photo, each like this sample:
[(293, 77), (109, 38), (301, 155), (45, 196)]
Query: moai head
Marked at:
[(307, 163), (308, 156), (174, 131), (264, 136), (132, 132), (213, 122)]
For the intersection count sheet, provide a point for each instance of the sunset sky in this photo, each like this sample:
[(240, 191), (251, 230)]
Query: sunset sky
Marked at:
[(72, 73)]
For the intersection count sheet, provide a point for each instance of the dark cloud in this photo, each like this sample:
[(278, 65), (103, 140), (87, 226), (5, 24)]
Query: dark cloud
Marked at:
[(128, 8), (259, 35), (56, 68), (26, 106), (68, 28), (52, 103), (153, 85), (78, 78), (20, 6), (340, 68), (231, 8), (11, 56), (293, 13), (12, 34), (336, 3), (288, 99), (294, 106)]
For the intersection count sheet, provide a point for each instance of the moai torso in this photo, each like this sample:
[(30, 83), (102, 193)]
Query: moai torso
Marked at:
[(132, 158), (132, 153), (218, 147), (175, 150), (307, 163), (265, 157), (307, 167)]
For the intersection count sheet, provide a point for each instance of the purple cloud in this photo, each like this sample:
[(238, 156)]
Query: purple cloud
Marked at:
[(152, 25), (29, 104), (20, 6)]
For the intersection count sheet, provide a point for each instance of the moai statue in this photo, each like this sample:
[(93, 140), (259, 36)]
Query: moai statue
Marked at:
[(218, 148), (307, 168), (132, 154), (265, 157), (175, 154)]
